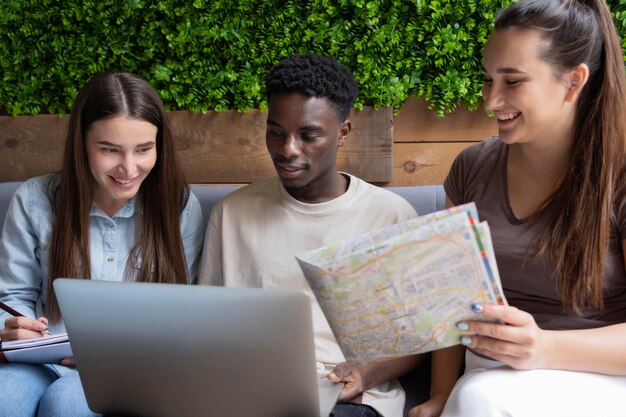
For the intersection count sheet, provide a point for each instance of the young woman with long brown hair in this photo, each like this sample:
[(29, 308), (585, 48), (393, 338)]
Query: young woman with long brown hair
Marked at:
[(119, 209), (552, 188)]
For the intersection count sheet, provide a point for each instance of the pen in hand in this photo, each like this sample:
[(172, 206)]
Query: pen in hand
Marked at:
[(10, 310), (16, 313)]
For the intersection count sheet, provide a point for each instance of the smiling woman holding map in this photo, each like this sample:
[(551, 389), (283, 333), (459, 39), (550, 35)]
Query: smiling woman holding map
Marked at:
[(551, 187)]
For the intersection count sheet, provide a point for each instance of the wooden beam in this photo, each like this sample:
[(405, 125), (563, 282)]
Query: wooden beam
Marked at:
[(226, 147), (423, 163), (216, 147), (416, 123), (31, 145)]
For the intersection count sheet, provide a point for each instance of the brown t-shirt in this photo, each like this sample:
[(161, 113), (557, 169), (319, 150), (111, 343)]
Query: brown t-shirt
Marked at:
[(478, 174)]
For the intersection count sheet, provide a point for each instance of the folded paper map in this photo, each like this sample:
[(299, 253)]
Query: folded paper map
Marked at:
[(402, 289)]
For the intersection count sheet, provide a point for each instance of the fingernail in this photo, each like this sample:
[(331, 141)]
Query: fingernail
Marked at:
[(477, 308), (41, 327), (466, 340), (462, 326)]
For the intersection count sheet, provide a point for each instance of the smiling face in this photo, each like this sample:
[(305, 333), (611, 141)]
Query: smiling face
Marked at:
[(121, 152), (530, 101), (302, 137)]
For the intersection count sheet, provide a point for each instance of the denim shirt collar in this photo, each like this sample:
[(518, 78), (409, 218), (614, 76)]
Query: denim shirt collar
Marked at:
[(126, 211)]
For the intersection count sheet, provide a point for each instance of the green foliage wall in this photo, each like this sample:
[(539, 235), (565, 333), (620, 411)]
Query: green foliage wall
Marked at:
[(214, 54)]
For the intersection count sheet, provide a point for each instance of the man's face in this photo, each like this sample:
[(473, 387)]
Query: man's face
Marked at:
[(302, 137)]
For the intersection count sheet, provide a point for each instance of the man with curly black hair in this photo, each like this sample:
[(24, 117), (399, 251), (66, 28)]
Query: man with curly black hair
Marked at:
[(255, 232), (309, 85), (315, 76)]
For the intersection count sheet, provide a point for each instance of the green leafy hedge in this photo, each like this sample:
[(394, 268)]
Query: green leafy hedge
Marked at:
[(214, 54)]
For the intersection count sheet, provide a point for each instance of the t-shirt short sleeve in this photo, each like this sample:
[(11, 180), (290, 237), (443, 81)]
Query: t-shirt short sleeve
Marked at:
[(455, 183)]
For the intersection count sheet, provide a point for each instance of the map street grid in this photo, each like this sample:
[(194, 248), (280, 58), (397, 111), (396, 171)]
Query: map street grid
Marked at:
[(401, 290)]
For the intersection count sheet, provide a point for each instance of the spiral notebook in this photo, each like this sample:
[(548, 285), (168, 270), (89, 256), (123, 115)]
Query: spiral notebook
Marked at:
[(47, 349)]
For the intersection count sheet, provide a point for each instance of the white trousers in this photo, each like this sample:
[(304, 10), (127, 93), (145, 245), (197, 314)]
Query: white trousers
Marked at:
[(491, 389)]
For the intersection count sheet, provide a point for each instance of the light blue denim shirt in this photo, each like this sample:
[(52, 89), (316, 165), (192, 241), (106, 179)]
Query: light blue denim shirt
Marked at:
[(25, 240)]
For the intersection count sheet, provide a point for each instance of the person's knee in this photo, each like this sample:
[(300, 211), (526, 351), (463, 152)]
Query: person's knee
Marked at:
[(65, 397), (476, 395), (21, 387)]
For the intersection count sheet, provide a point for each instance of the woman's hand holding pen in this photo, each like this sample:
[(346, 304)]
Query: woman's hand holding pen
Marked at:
[(16, 328), (20, 327), (516, 340)]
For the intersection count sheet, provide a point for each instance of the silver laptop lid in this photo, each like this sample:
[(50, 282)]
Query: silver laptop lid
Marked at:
[(164, 350)]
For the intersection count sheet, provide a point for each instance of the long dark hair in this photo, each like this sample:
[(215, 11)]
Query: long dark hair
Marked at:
[(162, 196), (575, 227)]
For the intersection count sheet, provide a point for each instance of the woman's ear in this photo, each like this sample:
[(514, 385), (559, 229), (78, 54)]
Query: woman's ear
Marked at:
[(576, 79), (345, 129)]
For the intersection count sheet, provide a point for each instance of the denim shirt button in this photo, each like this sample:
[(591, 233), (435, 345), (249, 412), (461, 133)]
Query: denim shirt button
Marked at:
[(110, 259)]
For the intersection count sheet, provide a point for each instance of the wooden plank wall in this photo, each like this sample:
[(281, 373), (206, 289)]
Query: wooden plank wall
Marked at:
[(216, 147), (416, 147), (425, 144), (229, 147)]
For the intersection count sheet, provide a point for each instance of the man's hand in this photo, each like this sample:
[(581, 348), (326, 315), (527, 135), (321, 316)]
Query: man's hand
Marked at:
[(353, 378), (68, 361)]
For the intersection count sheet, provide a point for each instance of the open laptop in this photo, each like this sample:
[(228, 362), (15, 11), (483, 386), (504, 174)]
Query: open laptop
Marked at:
[(166, 350)]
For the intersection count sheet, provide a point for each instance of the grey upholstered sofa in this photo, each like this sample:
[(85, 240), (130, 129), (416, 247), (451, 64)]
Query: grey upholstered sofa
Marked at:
[(425, 199)]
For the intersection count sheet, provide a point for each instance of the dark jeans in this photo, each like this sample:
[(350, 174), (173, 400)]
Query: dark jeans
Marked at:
[(353, 410)]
